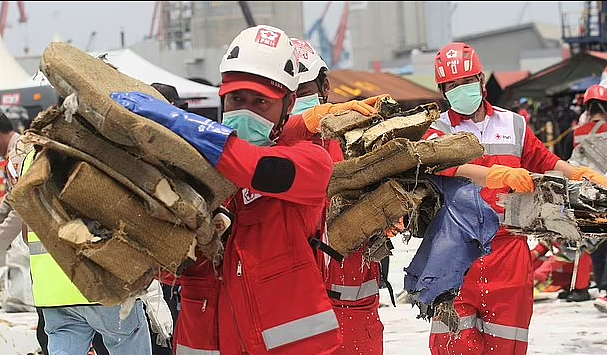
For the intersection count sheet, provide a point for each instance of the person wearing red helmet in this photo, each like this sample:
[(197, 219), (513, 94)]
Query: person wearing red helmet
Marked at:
[(495, 303), (595, 103)]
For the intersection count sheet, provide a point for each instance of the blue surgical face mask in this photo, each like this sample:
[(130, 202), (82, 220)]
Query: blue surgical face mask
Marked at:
[(465, 99), (303, 104), (249, 126)]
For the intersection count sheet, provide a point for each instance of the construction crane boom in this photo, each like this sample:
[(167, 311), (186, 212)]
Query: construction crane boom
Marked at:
[(4, 15), (246, 12)]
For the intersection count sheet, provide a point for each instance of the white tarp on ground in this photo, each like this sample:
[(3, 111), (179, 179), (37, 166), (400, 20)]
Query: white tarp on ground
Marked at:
[(11, 73)]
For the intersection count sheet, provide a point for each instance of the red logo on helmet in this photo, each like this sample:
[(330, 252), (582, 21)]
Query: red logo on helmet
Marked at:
[(267, 37), (304, 50), (452, 53)]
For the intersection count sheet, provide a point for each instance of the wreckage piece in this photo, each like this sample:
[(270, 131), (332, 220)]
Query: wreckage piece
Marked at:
[(86, 84), (92, 194), (460, 233), (412, 127), (336, 125), (387, 107), (181, 199), (371, 215), (400, 155), (35, 199), (364, 134), (545, 212)]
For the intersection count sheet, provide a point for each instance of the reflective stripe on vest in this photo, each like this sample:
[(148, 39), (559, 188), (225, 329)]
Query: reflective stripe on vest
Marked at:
[(492, 148), (300, 329), (497, 330), (355, 293), (184, 350)]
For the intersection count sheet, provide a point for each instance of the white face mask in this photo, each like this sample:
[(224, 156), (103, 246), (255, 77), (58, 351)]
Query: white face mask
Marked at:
[(303, 104)]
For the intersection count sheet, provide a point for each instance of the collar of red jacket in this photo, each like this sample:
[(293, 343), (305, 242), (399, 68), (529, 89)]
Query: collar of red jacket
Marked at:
[(457, 118)]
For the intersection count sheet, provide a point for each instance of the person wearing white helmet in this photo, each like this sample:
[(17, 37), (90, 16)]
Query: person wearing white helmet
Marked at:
[(268, 296), (353, 289), (314, 85)]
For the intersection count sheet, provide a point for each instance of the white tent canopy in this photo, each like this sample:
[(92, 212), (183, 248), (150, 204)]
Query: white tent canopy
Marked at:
[(131, 64), (11, 73)]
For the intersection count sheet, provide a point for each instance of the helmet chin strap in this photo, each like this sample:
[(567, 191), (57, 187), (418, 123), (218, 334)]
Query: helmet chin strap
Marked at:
[(324, 97), (284, 116)]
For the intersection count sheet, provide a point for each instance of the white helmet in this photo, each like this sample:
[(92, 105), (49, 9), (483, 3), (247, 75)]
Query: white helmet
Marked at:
[(310, 62), (265, 51)]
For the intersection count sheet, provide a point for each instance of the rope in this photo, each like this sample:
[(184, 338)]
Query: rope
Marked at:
[(560, 137)]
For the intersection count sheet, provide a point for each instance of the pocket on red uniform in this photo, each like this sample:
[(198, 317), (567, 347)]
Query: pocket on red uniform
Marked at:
[(197, 324)]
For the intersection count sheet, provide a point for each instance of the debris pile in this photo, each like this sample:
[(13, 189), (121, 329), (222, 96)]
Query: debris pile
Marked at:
[(387, 174), (113, 197)]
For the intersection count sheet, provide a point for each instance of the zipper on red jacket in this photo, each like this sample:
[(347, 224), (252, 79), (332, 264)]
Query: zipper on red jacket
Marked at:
[(249, 296)]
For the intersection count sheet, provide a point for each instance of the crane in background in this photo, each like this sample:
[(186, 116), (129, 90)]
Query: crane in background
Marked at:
[(4, 14), (332, 51), (156, 21), (586, 31), (246, 12)]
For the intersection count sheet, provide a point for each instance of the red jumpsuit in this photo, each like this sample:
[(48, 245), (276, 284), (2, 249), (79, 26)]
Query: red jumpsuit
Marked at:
[(355, 284), (270, 298), (580, 133), (496, 300), (559, 268)]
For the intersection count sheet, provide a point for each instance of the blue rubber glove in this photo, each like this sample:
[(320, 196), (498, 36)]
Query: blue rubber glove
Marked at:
[(207, 136)]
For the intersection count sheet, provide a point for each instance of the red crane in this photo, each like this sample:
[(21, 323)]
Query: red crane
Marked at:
[(156, 21), (4, 15)]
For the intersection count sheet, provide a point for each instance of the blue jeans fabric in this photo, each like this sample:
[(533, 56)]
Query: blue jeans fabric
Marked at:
[(71, 329)]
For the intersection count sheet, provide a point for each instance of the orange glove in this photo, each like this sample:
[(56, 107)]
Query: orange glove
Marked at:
[(518, 179), (313, 116), (592, 175)]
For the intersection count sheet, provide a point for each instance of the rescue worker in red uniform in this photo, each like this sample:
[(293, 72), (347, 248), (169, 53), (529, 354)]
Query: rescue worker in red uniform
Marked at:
[(556, 272), (351, 283), (269, 297), (496, 300), (595, 102)]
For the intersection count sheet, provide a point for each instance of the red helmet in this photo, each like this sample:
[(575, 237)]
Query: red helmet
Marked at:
[(455, 61), (595, 92)]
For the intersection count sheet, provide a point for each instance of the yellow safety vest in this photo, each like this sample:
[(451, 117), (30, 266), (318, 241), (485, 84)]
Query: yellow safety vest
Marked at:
[(51, 286)]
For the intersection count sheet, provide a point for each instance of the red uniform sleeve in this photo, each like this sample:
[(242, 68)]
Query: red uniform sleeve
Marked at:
[(433, 133), (536, 157), (299, 173)]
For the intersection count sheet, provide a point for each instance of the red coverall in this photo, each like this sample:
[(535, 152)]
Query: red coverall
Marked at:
[(270, 298), (357, 285), (580, 133), (496, 300), (560, 269)]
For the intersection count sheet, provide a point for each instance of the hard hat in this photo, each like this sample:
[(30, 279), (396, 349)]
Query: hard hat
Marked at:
[(310, 62), (264, 51), (455, 61), (595, 92)]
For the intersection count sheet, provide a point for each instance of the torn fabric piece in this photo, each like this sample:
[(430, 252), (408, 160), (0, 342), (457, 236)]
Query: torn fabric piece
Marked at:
[(459, 234)]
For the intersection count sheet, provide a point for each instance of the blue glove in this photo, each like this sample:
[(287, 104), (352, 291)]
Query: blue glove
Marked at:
[(207, 136)]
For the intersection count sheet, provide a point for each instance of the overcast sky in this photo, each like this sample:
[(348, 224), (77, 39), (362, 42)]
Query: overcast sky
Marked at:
[(76, 21)]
